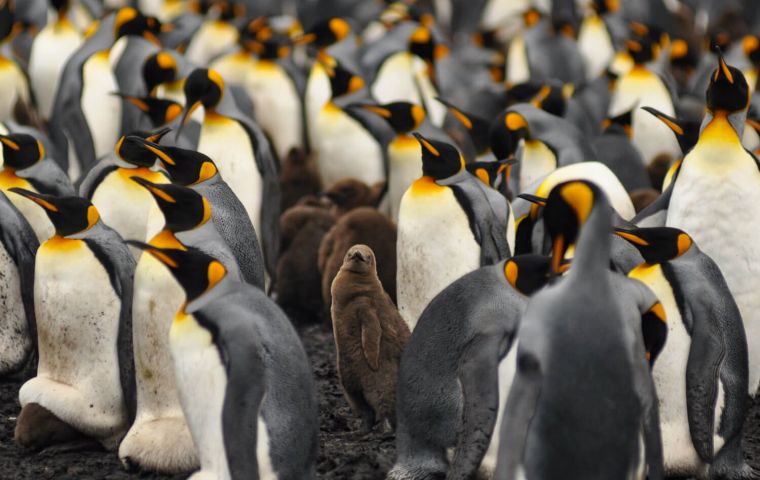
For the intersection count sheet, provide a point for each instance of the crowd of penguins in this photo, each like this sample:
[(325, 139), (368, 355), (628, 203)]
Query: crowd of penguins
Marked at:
[(533, 225)]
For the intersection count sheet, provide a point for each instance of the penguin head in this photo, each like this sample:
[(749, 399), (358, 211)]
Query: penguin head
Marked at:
[(422, 44), (602, 7), (69, 215), (440, 160), (477, 127), (657, 244), (641, 49), (129, 147), (403, 117), (60, 5), (342, 80), (489, 172), (506, 132), (273, 48), (682, 55), (195, 271), (186, 167), (161, 67), (203, 86), (686, 132), (325, 33), (728, 90), (160, 111), (359, 259), (552, 98), (129, 21), (527, 273), (619, 124), (751, 47), (183, 208), (567, 208), (21, 150)]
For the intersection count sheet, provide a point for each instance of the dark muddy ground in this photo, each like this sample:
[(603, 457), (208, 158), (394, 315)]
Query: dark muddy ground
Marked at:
[(344, 454)]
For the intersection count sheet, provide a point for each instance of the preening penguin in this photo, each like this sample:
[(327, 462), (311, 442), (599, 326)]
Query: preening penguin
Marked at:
[(246, 421), (18, 329), (450, 223), (701, 372), (85, 375), (242, 154)]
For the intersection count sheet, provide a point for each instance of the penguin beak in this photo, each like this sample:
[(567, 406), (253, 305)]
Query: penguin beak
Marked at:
[(458, 114), (376, 109), (133, 100), (154, 189), (9, 143), (44, 201), (157, 136), (671, 122), (536, 201), (632, 238), (558, 250), (159, 253), (187, 114), (723, 70), (154, 148), (427, 145)]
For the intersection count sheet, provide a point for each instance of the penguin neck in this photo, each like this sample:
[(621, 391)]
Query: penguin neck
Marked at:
[(456, 178), (592, 249), (224, 286), (204, 230), (723, 125)]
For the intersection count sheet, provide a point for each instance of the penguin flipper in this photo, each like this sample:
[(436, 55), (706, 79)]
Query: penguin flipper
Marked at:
[(479, 377), (521, 405)]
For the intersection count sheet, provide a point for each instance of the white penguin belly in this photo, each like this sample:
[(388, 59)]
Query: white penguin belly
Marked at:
[(278, 106), (15, 340), (234, 67), (405, 166), (595, 46), (499, 13), (78, 371), (536, 161), (197, 363), (212, 39), (228, 145), (101, 109), (507, 368), (159, 438), (33, 213), (435, 246), (716, 200), (345, 149), (642, 88), (14, 86), (51, 49), (669, 374), (124, 205), (518, 70), (316, 96), (395, 80)]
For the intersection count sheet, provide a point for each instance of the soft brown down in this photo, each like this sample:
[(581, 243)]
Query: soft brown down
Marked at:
[(360, 226), (299, 178), (350, 193), (370, 336)]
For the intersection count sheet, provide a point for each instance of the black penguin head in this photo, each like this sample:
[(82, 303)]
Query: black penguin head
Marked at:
[(160, 111), (161, 67), (343, 81), (183, 208), (21, 150), (489, 172), (527, 273), (326, 33), (506, 132), (751, 47), (203, 86), (196, 272), (567, 208), (728, 90), (129, 147), (403, 117), (440, 160), (477, 127), (686, 132), (657, 244), (552, 99), (422, 44), (185, 167), (273, 48), (129, 21), (602, 7), (359, 259), (682, 55), (69, 215), (641, 49), (60, 5), (619, 124)]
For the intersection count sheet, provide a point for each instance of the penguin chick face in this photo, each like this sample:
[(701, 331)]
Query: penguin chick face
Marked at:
[(184, 209), (342, 81), (439, 159), (728, 90), (196, 272), (130, 21), (360, 259), (527, 273), (69, 215), (657, 244), (129, 147), (161, 67), (403, 117), (21, 151), (326, 33), (186, 167), (160, 111), (202, 87)]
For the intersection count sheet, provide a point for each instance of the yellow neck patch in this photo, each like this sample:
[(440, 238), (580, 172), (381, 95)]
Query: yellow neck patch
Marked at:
[(425, 186), (9, 179)]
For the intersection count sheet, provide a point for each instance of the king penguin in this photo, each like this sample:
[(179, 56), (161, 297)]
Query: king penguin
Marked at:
[(256, 416), (216, 34), (159, 439), (242, 154), (701, 373), (18, 328), (85, 375), (716, 196), (16, 102), (449, 224)]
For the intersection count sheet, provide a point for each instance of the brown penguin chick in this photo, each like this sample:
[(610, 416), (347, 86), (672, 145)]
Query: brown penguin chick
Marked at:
[(299, 282), (350, 193), (370, 336), (299, 178), (366, 226), (643, 197), (658, 169)]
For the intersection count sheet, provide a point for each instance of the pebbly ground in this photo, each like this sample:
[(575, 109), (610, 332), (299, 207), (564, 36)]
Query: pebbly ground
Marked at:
[(343, 454)]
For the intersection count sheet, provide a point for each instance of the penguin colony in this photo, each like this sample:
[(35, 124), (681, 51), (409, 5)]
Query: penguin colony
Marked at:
[(532, 225)]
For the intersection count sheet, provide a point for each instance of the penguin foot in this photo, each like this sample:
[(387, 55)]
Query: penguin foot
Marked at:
[(37, 428)]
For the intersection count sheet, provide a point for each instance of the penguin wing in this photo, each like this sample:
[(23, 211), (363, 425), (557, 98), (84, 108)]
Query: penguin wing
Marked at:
[(487, 220), (371, 335), (656, 213), (479, 377), (95, 177), (113, 254)]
